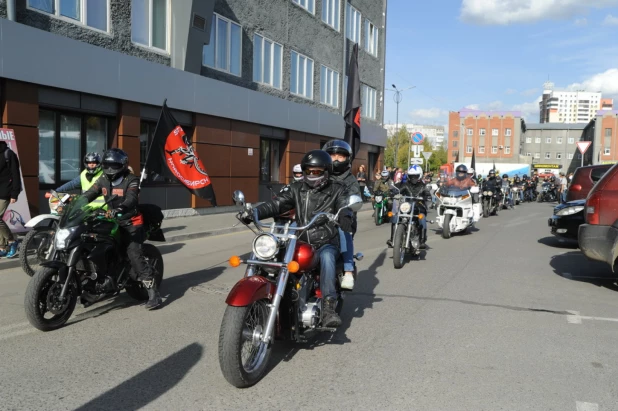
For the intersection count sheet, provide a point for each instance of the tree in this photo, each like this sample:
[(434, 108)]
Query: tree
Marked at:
[(437, 159)]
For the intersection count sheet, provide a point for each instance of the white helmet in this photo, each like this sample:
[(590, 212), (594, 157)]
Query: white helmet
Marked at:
[(297, 170), (414, 174), (470, 170), (384, 174)]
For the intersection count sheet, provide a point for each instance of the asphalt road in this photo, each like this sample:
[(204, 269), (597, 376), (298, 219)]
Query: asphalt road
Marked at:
[(504, 318)]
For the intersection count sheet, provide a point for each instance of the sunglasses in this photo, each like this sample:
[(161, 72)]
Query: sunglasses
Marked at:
[(314, 172)]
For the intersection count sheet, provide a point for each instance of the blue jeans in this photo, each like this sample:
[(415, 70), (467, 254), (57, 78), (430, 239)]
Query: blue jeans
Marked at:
[(347, 250), (328, 277)]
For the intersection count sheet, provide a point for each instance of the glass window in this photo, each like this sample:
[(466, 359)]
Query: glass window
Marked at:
[(507, 150), (270, 160), (494, 131), (301, 76), (329, 87), (469, 149), (330, 13), (149, 23), (608, 132), (454, 144), (547, 155), (571, 140), (92, 13), (455, 133), (507, 132), (70, 8), (494, 149), (606, 151), (96, 14), (570, 156), (470, 131), (481, 132), (267, 59), (481, 149), (528, 139), (548, 140), (70, 147), (353, 23), (43, 5), (47, 147), (559, 140), (537, 155), (558, 156), (368, 98), (225, 49), (308, 5), (96, 134), (537, 140), (371, 38)]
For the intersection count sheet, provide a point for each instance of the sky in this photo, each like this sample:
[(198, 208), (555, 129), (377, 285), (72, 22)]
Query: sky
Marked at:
[(495, 54)]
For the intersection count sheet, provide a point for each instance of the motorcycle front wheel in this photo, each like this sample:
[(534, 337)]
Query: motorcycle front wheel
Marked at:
[(446, 226), (242, 356), (42, 298), (377, 216), (399, 248), (486, 209), (33, 248)]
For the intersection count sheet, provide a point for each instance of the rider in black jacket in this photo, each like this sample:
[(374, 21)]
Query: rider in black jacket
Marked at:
[(119, 183), (493, 184), (316, 193), (414, 187)]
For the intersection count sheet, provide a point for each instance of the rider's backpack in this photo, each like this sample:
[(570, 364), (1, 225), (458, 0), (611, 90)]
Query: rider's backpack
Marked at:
[(153, 215)]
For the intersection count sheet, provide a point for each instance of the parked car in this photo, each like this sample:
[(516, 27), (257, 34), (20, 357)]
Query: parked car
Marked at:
[(584, 179), (598, 237), (567, 218)]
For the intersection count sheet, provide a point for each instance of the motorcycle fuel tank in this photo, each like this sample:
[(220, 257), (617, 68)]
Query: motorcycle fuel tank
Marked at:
[(304, 256)]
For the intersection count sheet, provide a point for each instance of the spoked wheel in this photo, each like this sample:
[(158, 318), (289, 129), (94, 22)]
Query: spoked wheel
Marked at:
[(446, 226), (44, 309), (243, 357), (33, 249), (399, 248)]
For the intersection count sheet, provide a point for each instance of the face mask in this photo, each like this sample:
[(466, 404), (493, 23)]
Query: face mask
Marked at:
[(117, 181), (315, 181)]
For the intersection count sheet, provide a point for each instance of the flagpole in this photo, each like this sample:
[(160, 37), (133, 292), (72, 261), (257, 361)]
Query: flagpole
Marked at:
[(143, 176)]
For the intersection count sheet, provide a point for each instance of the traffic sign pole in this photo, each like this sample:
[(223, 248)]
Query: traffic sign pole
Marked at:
[(583, 147)]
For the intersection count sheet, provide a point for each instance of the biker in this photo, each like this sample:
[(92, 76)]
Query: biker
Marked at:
[(87, 178), (316, 193), (382, 185), (479, 179), (461, 179), (555, 185), (297, 175), (517, 183), (341, 153), (414, 187), (493, 184), (121, 190), (506, 183)]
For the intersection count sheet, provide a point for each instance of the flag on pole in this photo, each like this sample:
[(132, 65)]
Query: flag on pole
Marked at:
[(473, 163), (172, 155), (352, 114)]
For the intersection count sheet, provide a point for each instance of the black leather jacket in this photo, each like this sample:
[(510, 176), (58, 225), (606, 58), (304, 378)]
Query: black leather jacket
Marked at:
[(308, 202), (126, 200), (350, 182), (416, 190), (493, 184)]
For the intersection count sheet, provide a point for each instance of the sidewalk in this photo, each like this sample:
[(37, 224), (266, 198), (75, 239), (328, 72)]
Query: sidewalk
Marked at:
[(179, 229)]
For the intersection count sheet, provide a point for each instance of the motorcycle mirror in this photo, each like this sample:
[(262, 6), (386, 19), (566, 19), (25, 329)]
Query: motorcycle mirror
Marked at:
[(355, 203), (239, 198)]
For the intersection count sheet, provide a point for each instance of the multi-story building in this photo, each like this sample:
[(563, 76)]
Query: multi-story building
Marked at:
[(493, 135), (434, 134), (570, 106), (553, 146), (254, 83), (602, 131)]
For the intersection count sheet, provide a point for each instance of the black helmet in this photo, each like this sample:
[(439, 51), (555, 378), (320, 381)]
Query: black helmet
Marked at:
[(461, 172), (492, 173), (339, 147), (553, 178), (505, 176), (316, 158), (92, 158), (115, 163)]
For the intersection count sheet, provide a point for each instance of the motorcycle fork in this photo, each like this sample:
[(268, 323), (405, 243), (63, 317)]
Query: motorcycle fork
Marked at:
[(281, 284), (71, 261)]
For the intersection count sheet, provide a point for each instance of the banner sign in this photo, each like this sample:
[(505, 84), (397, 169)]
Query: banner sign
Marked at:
[(18, 213), (555, 166)]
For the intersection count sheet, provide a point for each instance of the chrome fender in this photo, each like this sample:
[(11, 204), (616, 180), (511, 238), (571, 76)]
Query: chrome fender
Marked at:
[(33, 222)]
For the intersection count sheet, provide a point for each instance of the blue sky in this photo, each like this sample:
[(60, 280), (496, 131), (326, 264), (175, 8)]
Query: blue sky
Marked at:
[(496, 54)]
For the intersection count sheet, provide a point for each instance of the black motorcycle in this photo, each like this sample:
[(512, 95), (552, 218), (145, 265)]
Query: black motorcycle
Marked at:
[(491, 201), (548, 193), (89, 261), (407, 228)]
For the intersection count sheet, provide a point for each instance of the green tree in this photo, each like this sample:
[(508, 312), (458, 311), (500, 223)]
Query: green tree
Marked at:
[(438, 158)]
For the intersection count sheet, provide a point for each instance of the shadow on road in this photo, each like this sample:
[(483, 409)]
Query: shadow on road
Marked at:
[(575, 266), (170, 248), (175, 287), (556, 242), (170, 229), (150, 384)]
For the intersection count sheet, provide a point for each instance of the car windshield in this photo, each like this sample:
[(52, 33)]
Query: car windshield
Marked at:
[(76, 212)]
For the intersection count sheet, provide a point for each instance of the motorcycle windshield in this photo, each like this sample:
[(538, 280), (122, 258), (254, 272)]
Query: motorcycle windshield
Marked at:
[(452, 191), (76, 212)]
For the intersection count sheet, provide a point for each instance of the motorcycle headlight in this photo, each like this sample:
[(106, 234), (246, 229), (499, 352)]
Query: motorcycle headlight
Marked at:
[(378, 198), (570, 210), (484, 193), (62, 237), (405, 208), (265, 246)]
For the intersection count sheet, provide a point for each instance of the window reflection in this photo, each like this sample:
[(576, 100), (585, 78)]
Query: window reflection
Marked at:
[(47, 151)]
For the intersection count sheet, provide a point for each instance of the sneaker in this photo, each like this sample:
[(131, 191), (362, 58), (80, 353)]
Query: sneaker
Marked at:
[(12, 250), (329, 316), (3, 253), (348, 281)]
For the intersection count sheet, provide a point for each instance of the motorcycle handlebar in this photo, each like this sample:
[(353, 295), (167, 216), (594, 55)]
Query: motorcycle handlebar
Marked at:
[(259, 224)]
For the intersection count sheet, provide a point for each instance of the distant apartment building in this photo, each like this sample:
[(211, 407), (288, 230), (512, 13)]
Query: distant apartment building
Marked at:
[(492, 135), (434, 134), (602, 131), (570, 106), (553, 146)]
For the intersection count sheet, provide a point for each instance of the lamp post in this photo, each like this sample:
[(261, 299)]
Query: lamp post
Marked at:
[(397, 97)]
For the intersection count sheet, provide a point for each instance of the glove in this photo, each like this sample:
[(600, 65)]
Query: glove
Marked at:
[(345, 222), (113, 213), (246, 217)]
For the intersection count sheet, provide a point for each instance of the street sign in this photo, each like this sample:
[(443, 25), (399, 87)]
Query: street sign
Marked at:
[(417, 138), (583, 146), (427, 154), (417, 151), (418, 161)]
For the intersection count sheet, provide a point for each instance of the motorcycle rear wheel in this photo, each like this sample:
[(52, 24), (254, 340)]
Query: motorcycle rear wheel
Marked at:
[(446, 226), (399, 248), (42, 291), (236, 331)]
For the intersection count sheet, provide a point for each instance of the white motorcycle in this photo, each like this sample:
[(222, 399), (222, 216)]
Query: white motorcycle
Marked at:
[(456, 212)]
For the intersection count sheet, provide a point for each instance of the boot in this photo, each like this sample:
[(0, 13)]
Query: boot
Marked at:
[(423, 240), (329, 316), (389, 243), (154, 299)]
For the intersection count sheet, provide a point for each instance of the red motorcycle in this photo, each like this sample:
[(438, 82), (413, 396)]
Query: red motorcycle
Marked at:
[(279, 297)]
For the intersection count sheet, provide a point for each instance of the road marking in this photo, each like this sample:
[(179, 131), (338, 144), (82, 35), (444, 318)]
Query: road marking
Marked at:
[(576, 318), (586, 406)]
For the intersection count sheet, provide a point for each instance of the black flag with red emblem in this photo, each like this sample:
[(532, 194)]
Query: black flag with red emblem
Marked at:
[(172, 155), (352, 115)]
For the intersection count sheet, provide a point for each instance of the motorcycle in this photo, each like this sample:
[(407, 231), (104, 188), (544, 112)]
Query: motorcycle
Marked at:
[(88, 260), (529, 194), (548, 193), (37, 244), (407, 228), (455, 209), (490, 202), (505, 202), (279, 297), (517, 194), (380, 207)]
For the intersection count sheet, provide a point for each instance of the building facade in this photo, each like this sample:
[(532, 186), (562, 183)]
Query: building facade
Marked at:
[(602, 131), (434, 134), (570, 106), (252, 93), (553, 146), (492, 135)]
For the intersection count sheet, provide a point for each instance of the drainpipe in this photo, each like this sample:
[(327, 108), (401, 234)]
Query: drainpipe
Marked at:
[(10, 9), (344, 70)]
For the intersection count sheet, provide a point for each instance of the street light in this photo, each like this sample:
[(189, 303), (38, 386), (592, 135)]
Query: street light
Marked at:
[(397, 97)]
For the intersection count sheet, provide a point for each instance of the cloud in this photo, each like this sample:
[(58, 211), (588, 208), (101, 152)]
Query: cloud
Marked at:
[(500, 12), (610, 20), (473, 106), (510, 91), (606, 83), (529, 111), (530, 92), (428, 113), (581, 22), (494, 105)]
